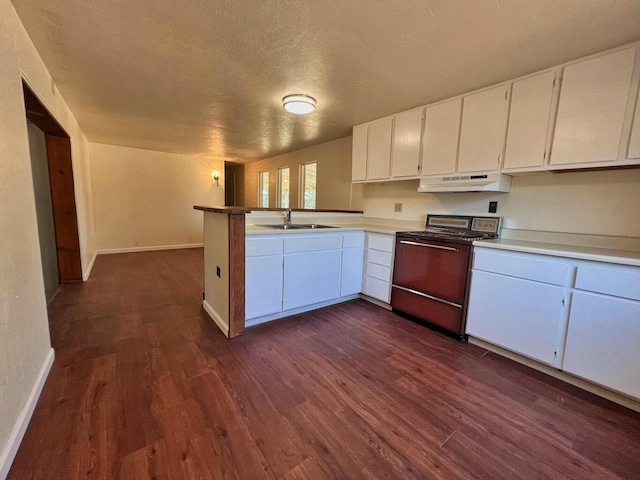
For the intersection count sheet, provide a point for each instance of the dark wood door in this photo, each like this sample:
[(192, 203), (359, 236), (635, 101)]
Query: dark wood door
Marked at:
[(64, 208)]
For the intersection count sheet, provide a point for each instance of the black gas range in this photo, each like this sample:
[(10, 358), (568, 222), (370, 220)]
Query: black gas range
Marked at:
[(431, 268)]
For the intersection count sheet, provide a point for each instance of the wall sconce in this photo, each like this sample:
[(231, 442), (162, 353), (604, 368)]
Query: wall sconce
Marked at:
[(215, 176)]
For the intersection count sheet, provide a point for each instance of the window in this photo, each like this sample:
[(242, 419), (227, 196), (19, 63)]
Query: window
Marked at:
[(308, 185), (283, 187), (263, 189)]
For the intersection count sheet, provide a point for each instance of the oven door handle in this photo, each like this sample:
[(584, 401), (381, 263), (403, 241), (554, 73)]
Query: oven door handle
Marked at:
[(430, 297), (428, 245)]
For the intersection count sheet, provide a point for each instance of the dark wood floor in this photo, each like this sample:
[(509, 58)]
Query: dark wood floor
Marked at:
[(145, 386)]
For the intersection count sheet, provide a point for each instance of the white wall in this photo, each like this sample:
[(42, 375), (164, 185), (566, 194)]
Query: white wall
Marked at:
[(144, 198), (334, 174), (599, 202), (24, 334)]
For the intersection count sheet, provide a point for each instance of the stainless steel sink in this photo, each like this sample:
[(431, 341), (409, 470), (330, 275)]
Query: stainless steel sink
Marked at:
[(296, 226), (313, 225), (281, 226)]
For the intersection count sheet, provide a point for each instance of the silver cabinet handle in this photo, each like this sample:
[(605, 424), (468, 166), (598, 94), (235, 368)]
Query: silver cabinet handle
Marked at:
[(428, 245), (415, 292)]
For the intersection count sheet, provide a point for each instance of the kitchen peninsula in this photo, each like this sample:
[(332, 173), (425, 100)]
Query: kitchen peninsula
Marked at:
[(284, 262)]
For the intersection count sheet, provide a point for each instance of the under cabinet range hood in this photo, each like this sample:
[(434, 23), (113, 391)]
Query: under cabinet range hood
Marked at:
[(488, 182)]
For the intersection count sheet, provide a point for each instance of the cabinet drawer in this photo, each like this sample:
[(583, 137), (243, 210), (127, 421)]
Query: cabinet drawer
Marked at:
[(376, 288), (380, 258), (379, 271), (380, 241), (530, 267), (263, 245), (353, 240), (312, 243), (620, 281)]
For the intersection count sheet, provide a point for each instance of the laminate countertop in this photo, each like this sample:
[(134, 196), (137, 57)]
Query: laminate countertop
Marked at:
[(622, 257), (262, 230)]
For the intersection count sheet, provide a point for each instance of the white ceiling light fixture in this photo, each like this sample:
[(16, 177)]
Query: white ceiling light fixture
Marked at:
[(299, 104)]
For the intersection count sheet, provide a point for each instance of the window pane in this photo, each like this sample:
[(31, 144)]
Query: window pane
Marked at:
[(309, 185), (263, 192), (283, 187)]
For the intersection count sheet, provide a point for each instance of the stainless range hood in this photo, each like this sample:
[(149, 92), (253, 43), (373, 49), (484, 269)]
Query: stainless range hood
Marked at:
[(488, 182)]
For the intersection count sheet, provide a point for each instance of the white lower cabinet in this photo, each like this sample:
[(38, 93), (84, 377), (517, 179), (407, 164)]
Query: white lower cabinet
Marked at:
[(580, 316), (378, 266), (311, 278), (603, 341), (287, 272), (263, 291), (517, 314)]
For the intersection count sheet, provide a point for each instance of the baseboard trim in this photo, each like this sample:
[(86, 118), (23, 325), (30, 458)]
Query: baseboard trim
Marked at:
[(560, 375), (20, 427), (85, 276), (222, 325), (109, 251)]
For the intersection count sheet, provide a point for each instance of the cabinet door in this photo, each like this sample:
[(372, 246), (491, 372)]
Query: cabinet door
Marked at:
[(359, 153), (263, 291), (482, 131), (516, 314), (440, 137), (602, 341), (529, 116), (405, 160), (311, 278), (593, 101), (352, 268), (634, 141), (379, 149)]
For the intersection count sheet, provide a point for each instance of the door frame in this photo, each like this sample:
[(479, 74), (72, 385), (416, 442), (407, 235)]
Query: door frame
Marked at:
[(63, 199)]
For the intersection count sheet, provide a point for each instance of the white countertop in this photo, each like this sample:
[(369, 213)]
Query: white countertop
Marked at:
[(622, 257)]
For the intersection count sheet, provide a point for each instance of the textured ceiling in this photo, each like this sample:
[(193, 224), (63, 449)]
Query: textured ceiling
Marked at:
[(208, 76)]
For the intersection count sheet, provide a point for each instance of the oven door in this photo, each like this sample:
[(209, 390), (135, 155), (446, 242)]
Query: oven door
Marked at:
[(430, 280)]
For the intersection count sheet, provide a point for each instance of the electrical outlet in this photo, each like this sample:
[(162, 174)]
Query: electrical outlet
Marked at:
[(493, 207), (218, 271), (397, 207)]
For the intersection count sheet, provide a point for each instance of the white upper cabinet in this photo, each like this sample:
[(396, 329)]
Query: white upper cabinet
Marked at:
[(440, 137), (379, 149), (405, 158), (591, 112), (529, 119), (482, 131), (634, 141), (359, 153)]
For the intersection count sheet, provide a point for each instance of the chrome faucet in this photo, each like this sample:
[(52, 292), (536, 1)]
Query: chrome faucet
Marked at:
[(288, 212)]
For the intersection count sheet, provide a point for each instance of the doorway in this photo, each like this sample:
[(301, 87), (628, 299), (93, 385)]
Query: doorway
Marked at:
[(50, 149), (233, 184)]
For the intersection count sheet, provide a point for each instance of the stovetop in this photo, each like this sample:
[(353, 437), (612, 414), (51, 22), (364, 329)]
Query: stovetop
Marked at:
[(458, 228)]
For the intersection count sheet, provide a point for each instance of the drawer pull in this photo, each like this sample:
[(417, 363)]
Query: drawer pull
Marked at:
[(415, 292), (428, 245)]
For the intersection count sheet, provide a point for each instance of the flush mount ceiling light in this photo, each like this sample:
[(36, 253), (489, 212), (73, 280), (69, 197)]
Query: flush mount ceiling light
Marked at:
[(299, 104)]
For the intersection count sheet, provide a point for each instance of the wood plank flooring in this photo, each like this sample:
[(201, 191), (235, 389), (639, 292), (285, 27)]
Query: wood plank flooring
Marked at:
[(145, 386)]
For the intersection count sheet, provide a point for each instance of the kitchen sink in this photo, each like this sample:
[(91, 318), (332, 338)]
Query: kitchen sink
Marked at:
[(296, 226), (313, 225)]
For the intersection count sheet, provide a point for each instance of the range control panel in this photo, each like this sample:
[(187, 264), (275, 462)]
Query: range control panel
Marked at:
[(486, 224)]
